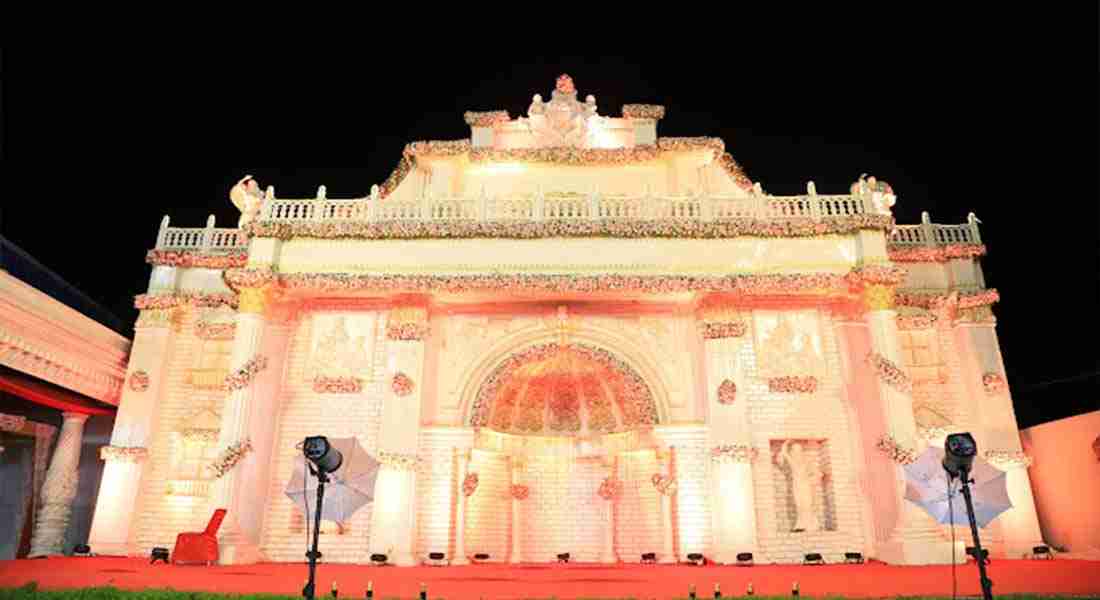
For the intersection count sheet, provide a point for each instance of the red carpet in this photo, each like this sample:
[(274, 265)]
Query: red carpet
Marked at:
[(564, 581)]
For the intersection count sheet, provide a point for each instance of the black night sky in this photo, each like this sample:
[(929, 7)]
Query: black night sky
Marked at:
[(98, 147)]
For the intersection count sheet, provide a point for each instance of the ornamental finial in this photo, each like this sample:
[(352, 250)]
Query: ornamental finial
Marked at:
[(565, 84)]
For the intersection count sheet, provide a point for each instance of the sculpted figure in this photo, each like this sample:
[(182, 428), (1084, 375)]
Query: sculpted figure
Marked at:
[(246, 196), (536, 107), (805, 473)]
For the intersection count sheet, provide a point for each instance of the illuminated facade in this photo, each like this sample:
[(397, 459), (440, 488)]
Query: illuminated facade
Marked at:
[(564, 334)]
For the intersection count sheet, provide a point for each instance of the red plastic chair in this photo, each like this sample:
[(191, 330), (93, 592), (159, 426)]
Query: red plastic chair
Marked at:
[(199, 546)]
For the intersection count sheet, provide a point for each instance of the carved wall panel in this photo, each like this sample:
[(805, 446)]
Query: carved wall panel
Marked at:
[(342, 346), (788, 344)]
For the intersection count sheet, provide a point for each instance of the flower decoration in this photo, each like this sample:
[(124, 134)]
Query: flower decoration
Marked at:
[(564, 84), (229, 457), (960, 300), (205, 330), (407, 323), (132, 454), (733, 453), (12, 422), (1096, 448), (889, 373), (793, 385), (194, 259), (402, 384), (519, 491), (487, 118), (916, 321), (469, 484), (206, 436), (1004, 459), (939, 254), (878, 275), (243, 376), (401, 462), (337, 385), (719, 330), (994, 383), (893, 449), (654, 112), (727, 392), (164, 301), (665, 484), (610, 488), (139, 381)]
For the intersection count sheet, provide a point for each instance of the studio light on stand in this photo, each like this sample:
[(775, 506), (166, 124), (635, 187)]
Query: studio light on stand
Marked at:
[(323, 460), (959, 452)]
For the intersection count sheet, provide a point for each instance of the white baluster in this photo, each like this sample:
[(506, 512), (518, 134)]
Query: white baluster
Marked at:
[(972, 221), (540, 204), (594, 204), (162, 235), (927, 229), (208, 234), (482, 205)]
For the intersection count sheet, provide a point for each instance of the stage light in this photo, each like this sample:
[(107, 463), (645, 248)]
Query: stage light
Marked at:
[(380, 559), (81, 550), (972, 552), (324, 457), (436, 557), (481, 556), (813, 558), (744, 559), (696, 559), (649, 557), (959, 452), (1043, 551), (853, 557), (158, 554), (563, 557)]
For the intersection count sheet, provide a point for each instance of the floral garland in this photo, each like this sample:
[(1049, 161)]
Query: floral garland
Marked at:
[(931, 432), (487, 118), (723, 329), (939, 254), (401, 462), (132, 454), (230, 457), (961, 300), (615, 228), (1005, 459), (164, 301), (893, 449), (744, 284), (206, 436), (402, 384), (889, 373), (793, 385), (205, 330), (242, 377), (12, 422), (655, 112), (878, 275), (610, 488), (255, 277), (919, 321), (469, 484), (139, 381), (994, 383), (195, 259), (337, 385), (665, 484), (638, 405), (519, 491), (408, 323), (727, 392), (733, 453)]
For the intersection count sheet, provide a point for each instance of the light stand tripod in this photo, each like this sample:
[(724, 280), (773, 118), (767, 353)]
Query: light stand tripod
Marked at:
[(314, 554), (987, 585)]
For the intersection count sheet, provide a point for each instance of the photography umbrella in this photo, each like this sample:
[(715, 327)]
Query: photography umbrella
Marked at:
[(928, 486), (349, 489)]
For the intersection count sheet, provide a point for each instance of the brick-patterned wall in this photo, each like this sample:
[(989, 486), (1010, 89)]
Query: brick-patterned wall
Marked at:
[(437, 488), (821, 415), (638, 526), (555, 517), (303, 413), (489, 509), (824, 503), (691, 506)]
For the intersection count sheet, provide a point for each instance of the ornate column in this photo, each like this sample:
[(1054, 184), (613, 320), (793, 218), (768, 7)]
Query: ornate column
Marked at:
[(462, 467), (393, 521), (996, 430), (249, 364), (59, 491), (916, 537), (733, 507), (125, 467)]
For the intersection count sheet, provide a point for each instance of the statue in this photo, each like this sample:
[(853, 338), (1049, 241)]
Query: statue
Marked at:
[(536, 107), (805, 473), (246, 196), (562, 122)]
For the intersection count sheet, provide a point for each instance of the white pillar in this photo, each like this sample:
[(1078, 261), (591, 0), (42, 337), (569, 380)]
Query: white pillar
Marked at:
[(59, 490), (668, 548), (514, 555), (112, 532), (235, 544), (607, 551), (916, 538), (461, 458)]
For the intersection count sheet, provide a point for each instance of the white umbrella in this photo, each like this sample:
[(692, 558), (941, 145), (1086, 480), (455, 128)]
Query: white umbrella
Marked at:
[(929, 486), (350, 487)]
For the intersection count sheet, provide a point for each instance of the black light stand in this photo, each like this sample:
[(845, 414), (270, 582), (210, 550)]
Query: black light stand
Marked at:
[(959, 452), (313, 554)]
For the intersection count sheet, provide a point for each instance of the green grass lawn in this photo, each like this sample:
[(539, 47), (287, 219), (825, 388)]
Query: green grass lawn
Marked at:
[(31, 591)]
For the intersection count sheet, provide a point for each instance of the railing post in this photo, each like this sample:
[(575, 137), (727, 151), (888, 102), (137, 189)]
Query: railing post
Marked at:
[(208, 234), (928, 230), (268, 203), (594, 204), (814, 201), (483, 205), (372, 204), (162, 235), (972, 221), (540, 205), (426, 206), (319, 204)]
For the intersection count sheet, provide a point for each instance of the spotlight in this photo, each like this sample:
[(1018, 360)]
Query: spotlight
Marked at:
[(158, 554), (481, 557), (649, 557), (1042, 552), (744, 559), (813, 558), (959, 452), (853, 557), (696, 559), (436, 557), (323, 456), (563, 557), (82, 550), (379, 559)]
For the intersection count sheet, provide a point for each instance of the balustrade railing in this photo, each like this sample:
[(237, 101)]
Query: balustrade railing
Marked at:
[(538, 207)]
